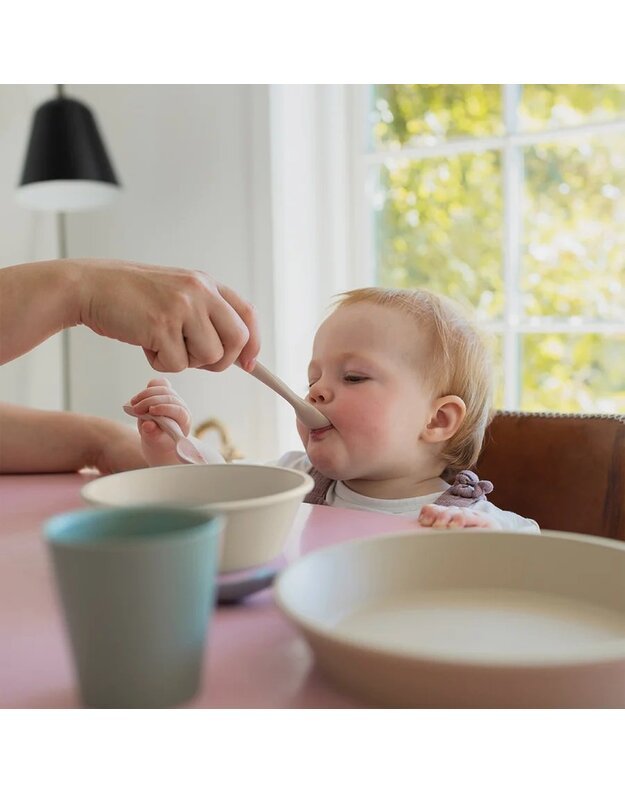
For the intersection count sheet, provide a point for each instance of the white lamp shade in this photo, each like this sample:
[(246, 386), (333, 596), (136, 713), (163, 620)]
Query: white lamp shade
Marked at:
[(66, 195)]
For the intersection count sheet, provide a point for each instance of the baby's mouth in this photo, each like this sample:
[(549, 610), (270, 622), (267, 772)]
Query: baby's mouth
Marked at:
[(314, 435)]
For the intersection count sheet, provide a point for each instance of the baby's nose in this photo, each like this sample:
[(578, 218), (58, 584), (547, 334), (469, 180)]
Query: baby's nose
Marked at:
[(319, 393)]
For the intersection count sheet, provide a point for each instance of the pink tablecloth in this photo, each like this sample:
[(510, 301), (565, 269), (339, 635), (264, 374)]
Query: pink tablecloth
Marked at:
[(254, 658)]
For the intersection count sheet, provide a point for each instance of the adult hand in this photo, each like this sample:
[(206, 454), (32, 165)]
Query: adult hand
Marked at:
[(181, 318)]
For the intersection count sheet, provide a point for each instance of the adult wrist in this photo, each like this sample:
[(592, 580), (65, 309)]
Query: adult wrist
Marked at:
[(71, 273), (97, 434)]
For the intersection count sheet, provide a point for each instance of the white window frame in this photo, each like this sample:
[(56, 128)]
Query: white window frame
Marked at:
[(510, 144)]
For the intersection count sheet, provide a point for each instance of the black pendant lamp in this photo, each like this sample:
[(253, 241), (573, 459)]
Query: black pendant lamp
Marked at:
[(67, 168)]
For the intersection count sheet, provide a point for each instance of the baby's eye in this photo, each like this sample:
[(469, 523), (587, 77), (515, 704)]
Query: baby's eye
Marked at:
[(348, 378)]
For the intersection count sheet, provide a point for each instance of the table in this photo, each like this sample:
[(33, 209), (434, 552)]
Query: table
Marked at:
[(254, 657)]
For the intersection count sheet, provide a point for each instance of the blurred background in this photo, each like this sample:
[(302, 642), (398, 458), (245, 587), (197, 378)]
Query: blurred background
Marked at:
[(508, 198)]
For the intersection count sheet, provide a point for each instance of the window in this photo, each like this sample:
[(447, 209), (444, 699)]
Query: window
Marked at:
[(512, 199)]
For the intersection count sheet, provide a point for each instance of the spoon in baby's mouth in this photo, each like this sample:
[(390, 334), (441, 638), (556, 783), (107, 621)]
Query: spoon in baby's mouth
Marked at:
[(305, 412)]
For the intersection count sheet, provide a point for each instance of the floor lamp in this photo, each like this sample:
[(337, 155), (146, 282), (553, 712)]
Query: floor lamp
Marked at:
[(66, 169)]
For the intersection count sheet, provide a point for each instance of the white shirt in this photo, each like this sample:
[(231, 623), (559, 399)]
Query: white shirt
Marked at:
[(339, 495)]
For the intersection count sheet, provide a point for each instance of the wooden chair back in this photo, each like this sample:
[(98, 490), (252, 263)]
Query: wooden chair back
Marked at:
[(566, 471)]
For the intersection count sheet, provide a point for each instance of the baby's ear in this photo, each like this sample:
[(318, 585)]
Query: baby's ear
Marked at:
[(447, 415)]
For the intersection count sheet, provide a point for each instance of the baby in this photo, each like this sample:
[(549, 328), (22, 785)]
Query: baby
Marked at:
[(404, 380)]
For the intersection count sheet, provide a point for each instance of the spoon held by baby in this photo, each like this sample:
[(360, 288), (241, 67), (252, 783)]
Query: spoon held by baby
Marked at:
[(188, 449)]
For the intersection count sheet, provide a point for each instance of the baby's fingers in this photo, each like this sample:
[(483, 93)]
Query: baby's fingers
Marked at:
[(178, 413), (155, 386), (170, 398), (429, 514), (439, 517)]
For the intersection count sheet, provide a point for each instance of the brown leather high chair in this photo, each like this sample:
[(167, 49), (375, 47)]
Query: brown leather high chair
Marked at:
[(566, 471)]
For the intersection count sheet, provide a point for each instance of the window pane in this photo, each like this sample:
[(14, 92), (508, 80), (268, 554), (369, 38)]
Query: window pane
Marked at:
[(582, 372), (438, 224), (496, 346), (420, 115), (574, 228), (553, 106)]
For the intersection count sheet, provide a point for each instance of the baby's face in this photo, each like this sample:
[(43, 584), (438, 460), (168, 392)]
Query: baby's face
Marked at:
[(364, 376)]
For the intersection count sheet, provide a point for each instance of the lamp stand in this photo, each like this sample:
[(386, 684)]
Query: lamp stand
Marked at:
[(65, 338), (66, 169)]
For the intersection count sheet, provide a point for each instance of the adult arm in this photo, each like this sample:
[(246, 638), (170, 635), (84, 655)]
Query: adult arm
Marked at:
[(181, 318), (55, 441)]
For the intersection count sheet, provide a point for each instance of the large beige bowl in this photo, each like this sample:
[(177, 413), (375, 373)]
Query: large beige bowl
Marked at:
[(466, 619), (259, 502)]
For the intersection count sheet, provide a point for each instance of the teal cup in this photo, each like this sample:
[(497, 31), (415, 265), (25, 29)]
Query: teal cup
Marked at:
[(137, 587)]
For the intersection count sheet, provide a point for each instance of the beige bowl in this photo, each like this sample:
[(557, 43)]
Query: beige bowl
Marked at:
[(259, 502), (457, 619)]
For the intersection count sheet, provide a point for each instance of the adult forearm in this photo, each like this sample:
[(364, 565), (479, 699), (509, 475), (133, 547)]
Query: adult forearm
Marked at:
[(36, 301), (45, 441)]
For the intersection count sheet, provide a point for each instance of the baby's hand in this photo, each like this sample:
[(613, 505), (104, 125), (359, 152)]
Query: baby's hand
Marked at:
[(440, 517), (159, 399)]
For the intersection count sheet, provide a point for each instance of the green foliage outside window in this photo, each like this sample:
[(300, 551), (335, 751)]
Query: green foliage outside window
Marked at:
[(439, 223)]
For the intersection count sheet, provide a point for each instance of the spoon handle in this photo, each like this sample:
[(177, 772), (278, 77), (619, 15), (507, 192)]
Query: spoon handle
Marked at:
[(169, 426), (164, 422), (261, 373), (308, 414)]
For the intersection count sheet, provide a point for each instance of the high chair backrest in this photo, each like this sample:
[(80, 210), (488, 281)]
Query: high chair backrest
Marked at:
[(566, 471)]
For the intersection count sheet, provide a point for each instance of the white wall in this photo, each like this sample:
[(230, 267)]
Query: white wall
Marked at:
[(33, 379), (194, 164)]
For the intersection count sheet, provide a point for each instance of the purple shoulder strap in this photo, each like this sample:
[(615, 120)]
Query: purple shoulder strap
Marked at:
[(318, 494), (466, 490)]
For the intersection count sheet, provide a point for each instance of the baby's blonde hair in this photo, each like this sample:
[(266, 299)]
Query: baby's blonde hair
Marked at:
[(460, 361)]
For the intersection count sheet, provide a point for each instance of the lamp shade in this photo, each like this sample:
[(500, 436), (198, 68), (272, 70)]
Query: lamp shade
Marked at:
[(67, 168)]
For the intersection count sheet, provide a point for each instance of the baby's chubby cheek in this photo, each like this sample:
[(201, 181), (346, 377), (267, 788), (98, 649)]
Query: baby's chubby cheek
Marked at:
[(364, 423)]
